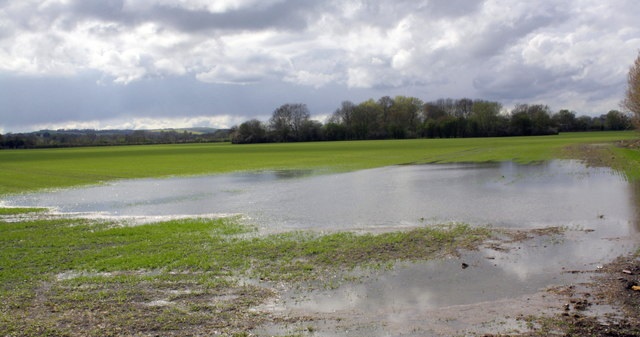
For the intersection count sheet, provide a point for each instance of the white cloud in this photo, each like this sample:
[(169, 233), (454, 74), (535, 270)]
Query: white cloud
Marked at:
[(147, 123), (495, 49), (361, 77), (213, 6), (304, 77)]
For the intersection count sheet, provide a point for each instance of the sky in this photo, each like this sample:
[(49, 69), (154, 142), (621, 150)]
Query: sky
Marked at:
[(142, 64)]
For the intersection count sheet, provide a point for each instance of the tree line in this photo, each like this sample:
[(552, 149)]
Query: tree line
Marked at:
[(409, 117), (77, 138), (386, 118)]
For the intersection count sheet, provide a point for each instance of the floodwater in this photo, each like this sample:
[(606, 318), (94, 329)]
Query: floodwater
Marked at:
[(564, 193), (597, 207)]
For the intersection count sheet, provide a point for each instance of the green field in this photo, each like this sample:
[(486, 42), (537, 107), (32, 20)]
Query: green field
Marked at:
[(28, 170), (79, 277)]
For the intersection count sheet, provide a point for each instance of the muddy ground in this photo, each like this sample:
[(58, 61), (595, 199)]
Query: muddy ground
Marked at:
[(602, 302), (607, 305)]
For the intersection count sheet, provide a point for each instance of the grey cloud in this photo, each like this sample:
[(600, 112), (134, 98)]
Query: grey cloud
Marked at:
[(499, 36), (30, 100), (452, 8), (288, 14), (519, 81), (35, 101), (284, 15), (106, 10)]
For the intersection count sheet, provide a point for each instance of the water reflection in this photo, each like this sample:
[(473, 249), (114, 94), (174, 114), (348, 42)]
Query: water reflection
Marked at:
[(564, 193), (634, 192)]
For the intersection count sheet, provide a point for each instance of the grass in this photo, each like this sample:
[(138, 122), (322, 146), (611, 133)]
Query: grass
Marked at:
[(213, 246), (177, 277), (21, 210), (28, 170), (74, 277)]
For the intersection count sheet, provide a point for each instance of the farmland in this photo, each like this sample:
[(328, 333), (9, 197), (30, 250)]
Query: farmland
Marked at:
[(64, 276), (29, 170)]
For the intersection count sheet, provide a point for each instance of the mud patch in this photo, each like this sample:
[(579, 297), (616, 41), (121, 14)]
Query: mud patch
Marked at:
[(499, 289)]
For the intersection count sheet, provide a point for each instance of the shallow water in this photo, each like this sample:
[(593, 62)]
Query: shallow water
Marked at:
[(597, 206), (552, 193)]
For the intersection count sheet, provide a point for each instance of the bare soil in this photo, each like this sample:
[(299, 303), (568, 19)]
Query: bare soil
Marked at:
[(609, 305)]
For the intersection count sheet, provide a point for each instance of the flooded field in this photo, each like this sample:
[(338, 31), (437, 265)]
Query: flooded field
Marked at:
[(557, 193), (595, 208)]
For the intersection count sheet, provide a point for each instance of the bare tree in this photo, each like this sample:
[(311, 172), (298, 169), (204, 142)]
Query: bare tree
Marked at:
[(287, 121), (631, 100)]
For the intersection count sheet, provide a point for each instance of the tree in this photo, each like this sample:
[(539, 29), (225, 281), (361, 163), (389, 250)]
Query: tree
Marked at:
[(631, 100), (385, 104), (565, 120), (463, 108), (485, 116), (365, 117), (404, 116), (541, 119), (616, 120), (432, 111), (344, 116), (583, 123), (251, 131), (528, 120), (287, 122), (310, 131)]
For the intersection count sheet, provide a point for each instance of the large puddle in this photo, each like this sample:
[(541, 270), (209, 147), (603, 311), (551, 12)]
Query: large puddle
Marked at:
[(564, 193), (597, 207)]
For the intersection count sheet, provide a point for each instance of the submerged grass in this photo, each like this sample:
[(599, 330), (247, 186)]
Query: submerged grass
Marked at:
[(28, 170), (69, 276)]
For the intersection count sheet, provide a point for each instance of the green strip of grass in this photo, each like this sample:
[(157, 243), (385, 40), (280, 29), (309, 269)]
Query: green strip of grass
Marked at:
[(627, 161), (28, 170), (20, 210)]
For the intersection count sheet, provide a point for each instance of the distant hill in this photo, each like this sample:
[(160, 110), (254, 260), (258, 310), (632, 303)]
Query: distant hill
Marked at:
[(194, 130)]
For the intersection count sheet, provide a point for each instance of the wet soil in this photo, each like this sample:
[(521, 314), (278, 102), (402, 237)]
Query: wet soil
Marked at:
[(608, 305), (604, 301)]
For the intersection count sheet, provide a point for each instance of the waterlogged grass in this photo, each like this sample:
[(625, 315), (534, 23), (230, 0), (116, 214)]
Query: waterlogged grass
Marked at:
[(627, 161), (78, 277), (219, 246), (28, 170), (20, 210)]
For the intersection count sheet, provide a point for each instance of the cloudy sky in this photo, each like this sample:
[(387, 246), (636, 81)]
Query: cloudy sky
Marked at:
[(177, 63)]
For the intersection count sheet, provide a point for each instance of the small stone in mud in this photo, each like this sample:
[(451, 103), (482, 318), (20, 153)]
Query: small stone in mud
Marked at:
[(464, 265), (580, 304), (627, 271)]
